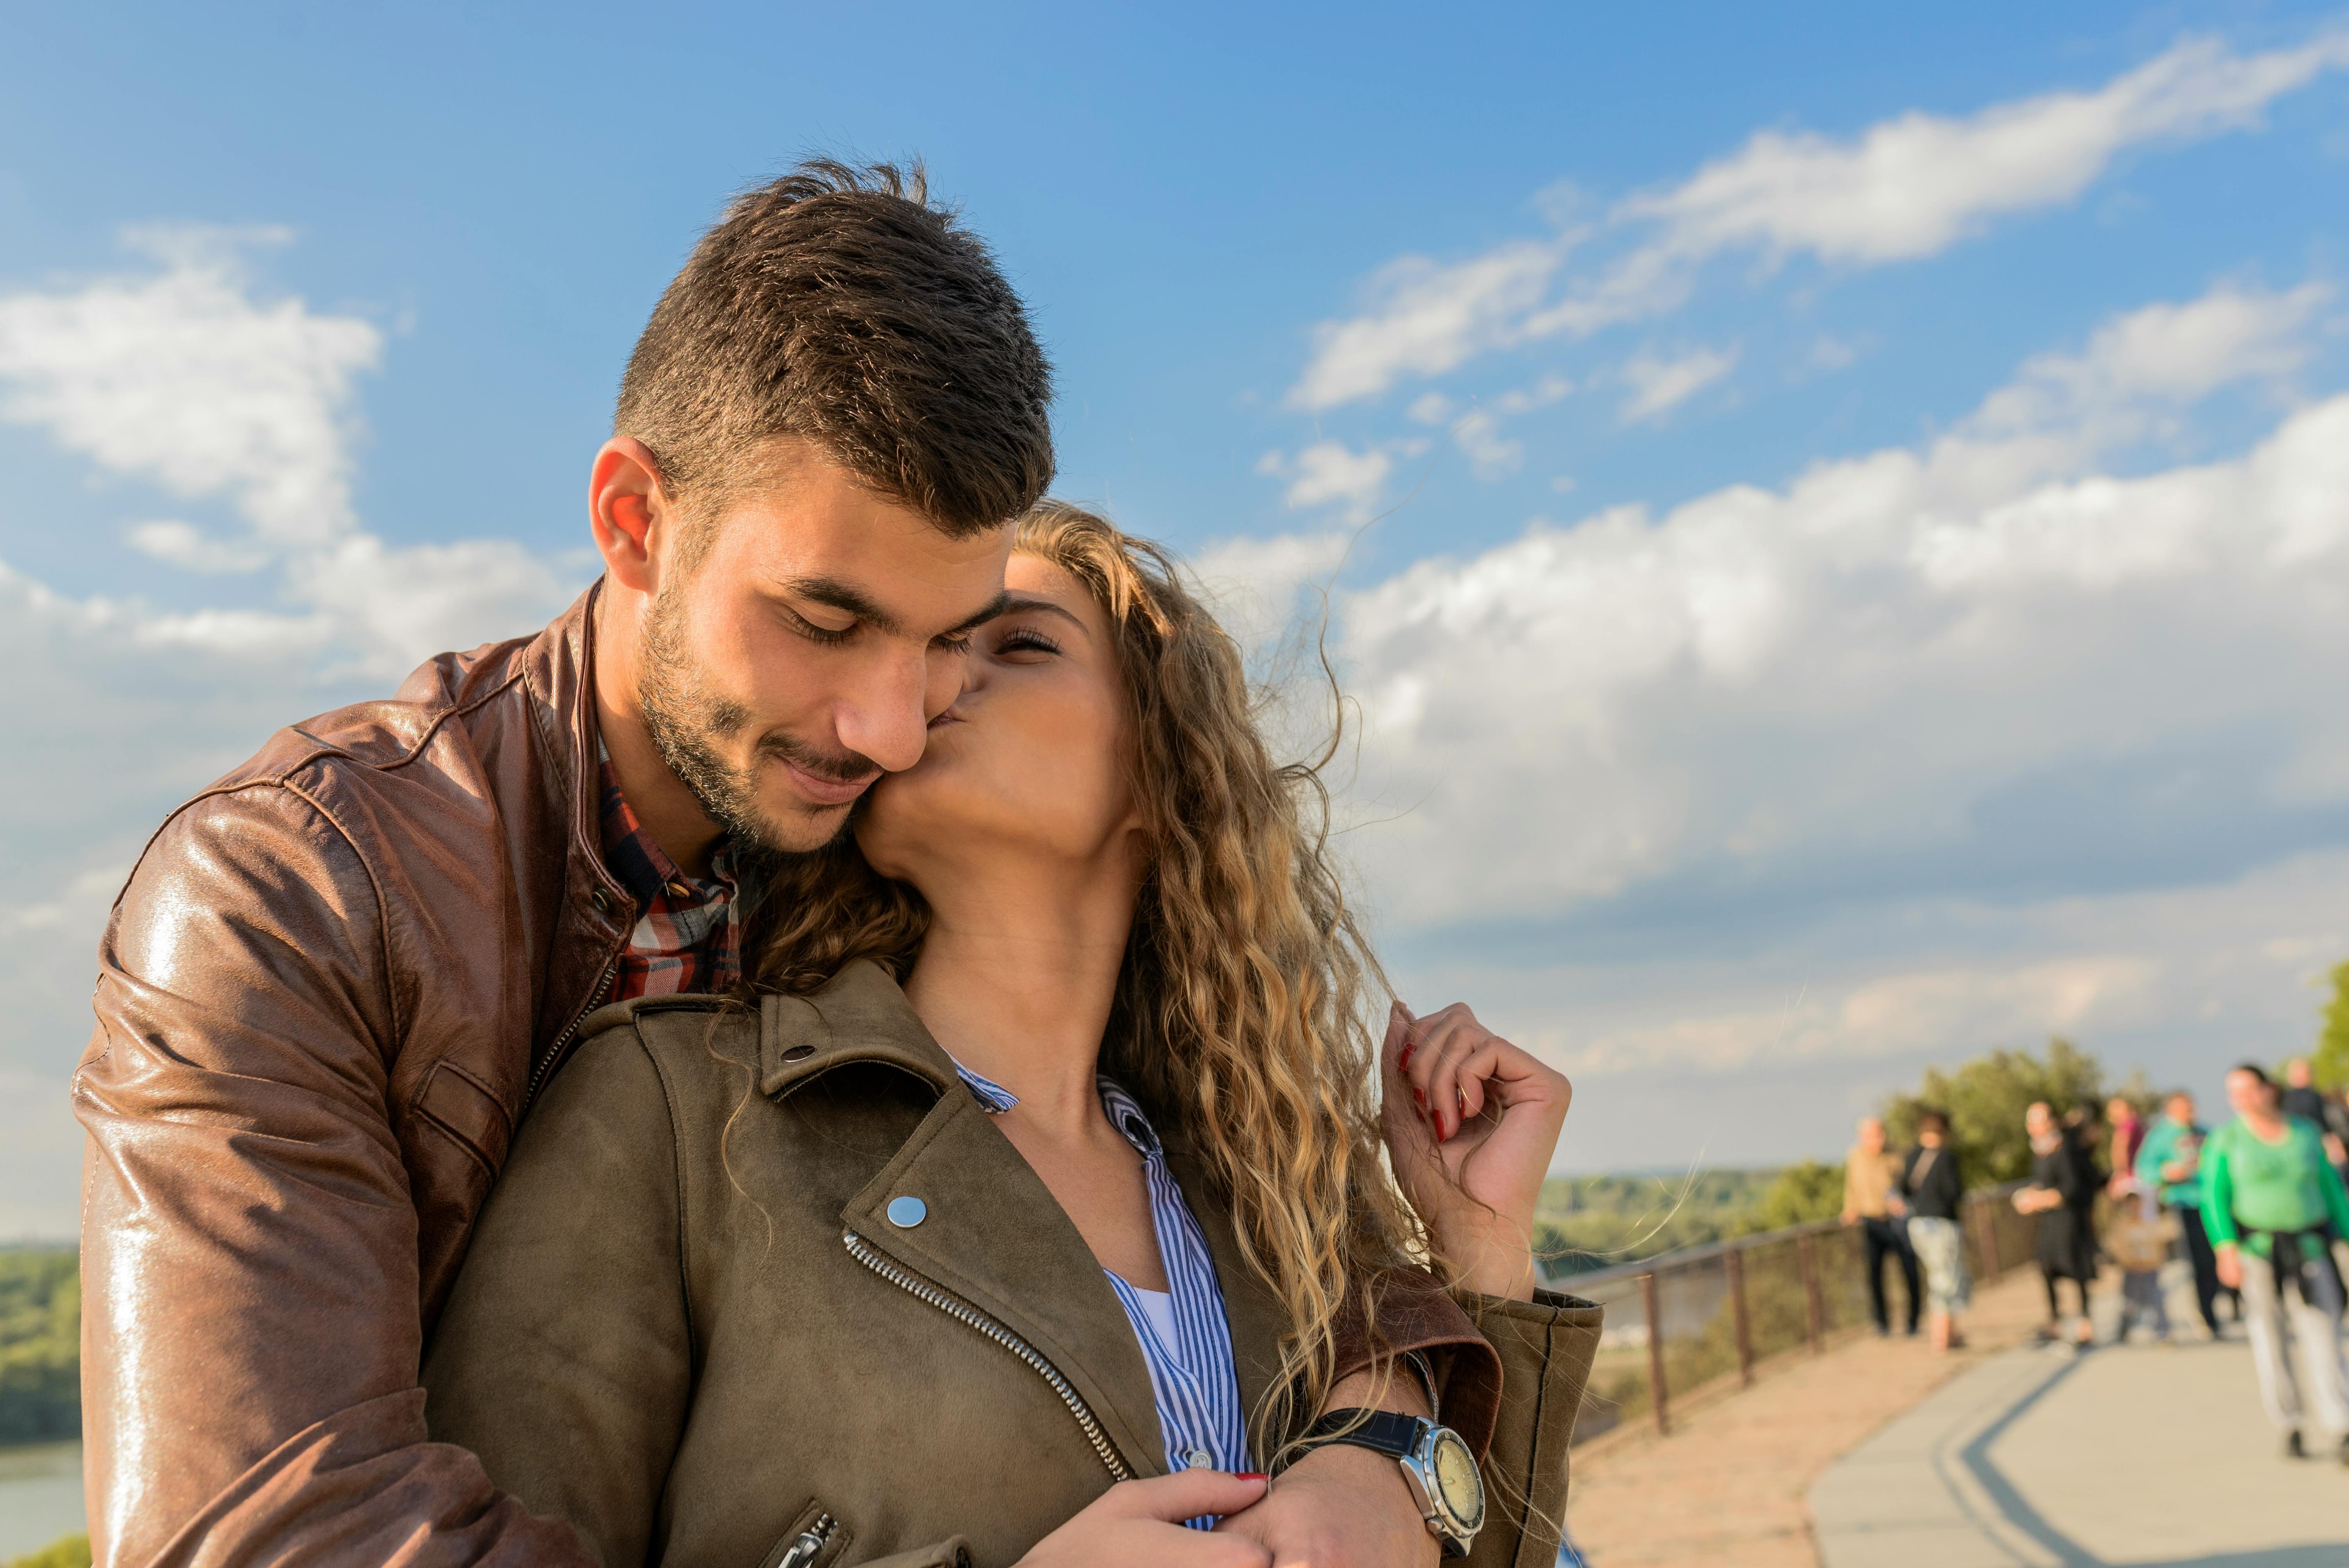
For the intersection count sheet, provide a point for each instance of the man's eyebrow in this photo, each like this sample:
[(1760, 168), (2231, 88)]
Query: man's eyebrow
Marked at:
[(845, 598), (986, 612)]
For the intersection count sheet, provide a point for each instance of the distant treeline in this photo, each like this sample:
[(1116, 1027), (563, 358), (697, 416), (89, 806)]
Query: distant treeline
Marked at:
[(40, 1345), (1597, 1222)]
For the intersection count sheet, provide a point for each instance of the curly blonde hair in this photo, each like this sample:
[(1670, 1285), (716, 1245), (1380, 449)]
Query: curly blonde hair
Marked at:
[(1242, 1004)]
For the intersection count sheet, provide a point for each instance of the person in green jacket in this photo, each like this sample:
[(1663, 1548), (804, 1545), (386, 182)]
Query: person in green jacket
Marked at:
[(2168, 1163), (2273, 1203)]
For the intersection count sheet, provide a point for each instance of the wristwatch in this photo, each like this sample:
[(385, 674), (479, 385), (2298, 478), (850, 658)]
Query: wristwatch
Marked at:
[(1437, 1465)]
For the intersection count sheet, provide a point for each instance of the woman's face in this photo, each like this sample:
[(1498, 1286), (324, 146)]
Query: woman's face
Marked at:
[(1033, 759)]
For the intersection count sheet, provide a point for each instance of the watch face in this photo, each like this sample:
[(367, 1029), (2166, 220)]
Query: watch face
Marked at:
[(1460, 1488)]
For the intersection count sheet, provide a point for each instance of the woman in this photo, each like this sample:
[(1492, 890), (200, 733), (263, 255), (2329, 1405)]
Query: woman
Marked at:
[(865, 1273), (1934, 1188), (2063, 1193)]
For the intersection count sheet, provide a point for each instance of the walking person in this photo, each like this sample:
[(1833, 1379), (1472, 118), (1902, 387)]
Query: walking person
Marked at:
[(2273, 1203), (2170, 1164), (1871, 1200), (1932, 1187), (2063, 1193), (2127, 1137), (2304, 1099)]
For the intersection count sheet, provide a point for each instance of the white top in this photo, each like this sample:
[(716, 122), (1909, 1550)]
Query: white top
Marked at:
[(1159, 1307)]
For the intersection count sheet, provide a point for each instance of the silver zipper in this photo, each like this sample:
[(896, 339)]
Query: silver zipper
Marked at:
[(963, 1312), (553, 1056), (810, 1545)]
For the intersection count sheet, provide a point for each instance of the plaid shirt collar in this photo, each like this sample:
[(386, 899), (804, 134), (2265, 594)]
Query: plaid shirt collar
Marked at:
[(687, 937)]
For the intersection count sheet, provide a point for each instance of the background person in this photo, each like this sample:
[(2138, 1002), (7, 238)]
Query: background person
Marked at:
[(1872, 1200), (2304, 1099), (2273, 1202), (2063, 1193), (2170, 1164), (1933, 1187), (2127, 1135)]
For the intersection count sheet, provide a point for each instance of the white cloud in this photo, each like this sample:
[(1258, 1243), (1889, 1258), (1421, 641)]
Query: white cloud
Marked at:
[(1660, 384), (181, 376), (1891, 664), (1903, 189), (1425, 319), (185, 376), (1329, 472)]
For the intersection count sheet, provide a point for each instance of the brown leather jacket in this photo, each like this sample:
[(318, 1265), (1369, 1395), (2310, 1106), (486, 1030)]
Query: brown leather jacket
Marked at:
[(327, 995)]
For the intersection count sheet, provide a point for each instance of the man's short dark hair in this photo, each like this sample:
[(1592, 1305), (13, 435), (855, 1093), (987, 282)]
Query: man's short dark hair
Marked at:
[(838, 306)]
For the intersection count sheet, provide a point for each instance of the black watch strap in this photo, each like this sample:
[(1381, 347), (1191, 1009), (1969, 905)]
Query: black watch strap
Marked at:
[(1387, 1432)]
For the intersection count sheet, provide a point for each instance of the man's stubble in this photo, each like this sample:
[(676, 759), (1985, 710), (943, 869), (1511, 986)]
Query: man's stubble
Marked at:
[(684, 717)]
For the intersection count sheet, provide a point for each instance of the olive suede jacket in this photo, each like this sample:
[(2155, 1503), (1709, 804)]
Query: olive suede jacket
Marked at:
[(688, 1325)]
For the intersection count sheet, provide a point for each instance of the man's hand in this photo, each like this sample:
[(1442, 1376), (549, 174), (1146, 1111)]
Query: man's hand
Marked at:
[(1338, 1507), (2231, 1267)]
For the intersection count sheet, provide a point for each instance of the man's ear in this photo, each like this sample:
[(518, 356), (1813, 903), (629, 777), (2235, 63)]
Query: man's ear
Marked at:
[(629, 512)]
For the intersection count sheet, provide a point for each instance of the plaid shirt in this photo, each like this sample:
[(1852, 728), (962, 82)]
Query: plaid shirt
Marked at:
[(687, 937)]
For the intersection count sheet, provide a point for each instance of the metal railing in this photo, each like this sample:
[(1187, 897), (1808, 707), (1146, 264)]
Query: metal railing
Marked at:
[(1695, 1321)]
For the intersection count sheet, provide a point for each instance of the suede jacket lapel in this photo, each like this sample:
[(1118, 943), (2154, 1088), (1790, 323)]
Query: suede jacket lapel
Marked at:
[(990, 1232)]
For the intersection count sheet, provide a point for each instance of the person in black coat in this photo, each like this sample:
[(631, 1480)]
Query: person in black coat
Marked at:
[(2063, 1193)]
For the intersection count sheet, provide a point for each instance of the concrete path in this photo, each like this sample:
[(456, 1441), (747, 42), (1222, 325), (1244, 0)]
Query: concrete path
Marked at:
[(2136, 1455), (1727, 1487)]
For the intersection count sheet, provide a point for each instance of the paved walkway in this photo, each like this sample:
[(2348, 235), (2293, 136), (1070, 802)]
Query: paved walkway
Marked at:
[(1727, 1487), (2140, 1454)]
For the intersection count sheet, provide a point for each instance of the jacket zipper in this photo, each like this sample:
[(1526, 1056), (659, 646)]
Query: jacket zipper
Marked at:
[(553, 1056), (963, 1312), (810, 1543)]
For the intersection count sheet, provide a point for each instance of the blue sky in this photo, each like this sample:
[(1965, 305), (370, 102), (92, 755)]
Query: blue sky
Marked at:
[(1853, 579)]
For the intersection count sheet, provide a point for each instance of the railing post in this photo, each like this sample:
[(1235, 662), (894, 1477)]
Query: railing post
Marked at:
[(1814, 1307), (1655, 1350), (1993, 1265), (1734, 1262)]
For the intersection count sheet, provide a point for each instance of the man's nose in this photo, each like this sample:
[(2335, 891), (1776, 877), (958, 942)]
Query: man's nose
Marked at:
[(887, 717)]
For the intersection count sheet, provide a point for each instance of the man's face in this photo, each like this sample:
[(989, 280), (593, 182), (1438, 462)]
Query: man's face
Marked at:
[(1871, 1135), (2297, 1073), (2039, 1120), (2180, 1109), (804, 653)]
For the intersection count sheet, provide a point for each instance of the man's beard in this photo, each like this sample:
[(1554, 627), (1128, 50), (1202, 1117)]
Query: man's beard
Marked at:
[(684, 717)]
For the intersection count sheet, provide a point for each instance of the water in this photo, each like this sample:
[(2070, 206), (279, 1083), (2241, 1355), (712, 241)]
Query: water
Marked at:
[(40, 1497)]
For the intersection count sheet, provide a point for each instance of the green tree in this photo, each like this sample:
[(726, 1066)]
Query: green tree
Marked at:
[(2331, 1060), (1811, 1190), (73, 1551), (40, 1345), (1985, 1099)]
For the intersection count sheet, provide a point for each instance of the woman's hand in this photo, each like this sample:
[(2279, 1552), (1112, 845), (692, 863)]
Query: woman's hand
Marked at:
[(1140, 1523), (1471, 1122), (2231, 1267)]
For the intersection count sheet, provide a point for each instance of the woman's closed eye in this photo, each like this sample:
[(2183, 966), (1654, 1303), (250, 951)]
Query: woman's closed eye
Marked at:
[(1026, 639)]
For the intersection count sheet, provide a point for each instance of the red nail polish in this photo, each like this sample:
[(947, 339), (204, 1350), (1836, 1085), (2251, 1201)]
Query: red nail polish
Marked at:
[(1421, 1095), (1402, 1063), (1248, 1475)]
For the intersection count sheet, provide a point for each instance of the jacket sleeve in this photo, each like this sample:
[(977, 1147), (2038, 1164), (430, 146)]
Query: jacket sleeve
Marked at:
[(1416, 1313), (565, 1356), (2219, 1194), (249, 1334), (1545, 1346)]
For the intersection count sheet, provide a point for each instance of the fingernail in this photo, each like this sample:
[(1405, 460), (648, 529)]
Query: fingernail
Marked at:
[(1249, 1475), (1421, 1095), (1402, 1063)]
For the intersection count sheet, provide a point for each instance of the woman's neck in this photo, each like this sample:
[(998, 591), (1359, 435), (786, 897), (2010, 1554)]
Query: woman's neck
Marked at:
[(1018, 974)]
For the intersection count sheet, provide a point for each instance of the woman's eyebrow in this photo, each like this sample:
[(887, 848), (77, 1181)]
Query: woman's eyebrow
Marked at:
[(1015, 603)]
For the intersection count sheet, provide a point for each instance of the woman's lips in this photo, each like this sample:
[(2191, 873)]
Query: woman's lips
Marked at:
[(824, 789)]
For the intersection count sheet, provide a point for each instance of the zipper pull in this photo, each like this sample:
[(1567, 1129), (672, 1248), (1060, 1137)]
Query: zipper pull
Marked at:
[(810, 1545)]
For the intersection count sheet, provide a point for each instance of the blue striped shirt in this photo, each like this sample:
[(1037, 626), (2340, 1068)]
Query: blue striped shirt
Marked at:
[(1191, 1377)]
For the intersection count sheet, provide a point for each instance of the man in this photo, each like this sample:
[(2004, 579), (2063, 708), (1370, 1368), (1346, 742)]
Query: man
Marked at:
[(1934, 1189), (2273, 1204), (2304, 1099), (2170, 1164), (1872, 1199), (336, 979)]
